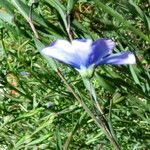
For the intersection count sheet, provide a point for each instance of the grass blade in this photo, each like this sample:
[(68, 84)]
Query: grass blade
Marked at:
[(122, 20)]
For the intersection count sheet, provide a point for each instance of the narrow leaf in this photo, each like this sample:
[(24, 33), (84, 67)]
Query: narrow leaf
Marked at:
[(124, 22)]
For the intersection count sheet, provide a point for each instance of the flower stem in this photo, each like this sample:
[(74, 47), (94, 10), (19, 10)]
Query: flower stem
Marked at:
[(91, 90), (99, 121), (31, 23), (102, 119)]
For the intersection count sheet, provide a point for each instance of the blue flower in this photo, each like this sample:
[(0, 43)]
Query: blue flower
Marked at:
[(84, 53), (50, 104), (23, 73)]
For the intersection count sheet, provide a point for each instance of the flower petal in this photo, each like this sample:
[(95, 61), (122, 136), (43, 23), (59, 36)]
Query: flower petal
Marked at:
[(62, 51), (101, 48), (83, 50), (125, 57)]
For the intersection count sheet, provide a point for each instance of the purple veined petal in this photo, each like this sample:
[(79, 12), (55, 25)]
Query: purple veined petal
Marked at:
[(101, 48), (83, 50), (62, 51), (125, 57)]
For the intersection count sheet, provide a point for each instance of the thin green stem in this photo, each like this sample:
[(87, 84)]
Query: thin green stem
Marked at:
[(31, 23), (109, 120), (102, 118), (99, 121), (92, 92)]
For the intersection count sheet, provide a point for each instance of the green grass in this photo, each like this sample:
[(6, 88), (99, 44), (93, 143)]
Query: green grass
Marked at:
[(27, 121)]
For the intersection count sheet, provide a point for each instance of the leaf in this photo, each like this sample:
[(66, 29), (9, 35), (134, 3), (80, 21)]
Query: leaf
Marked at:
[(21, 141), (30, 114), (24, 10), (58, 139), (147, 20), (60, 8), (70, 5), (134, 75), (45, 124), (21, 7), (6, 17), (75, 127), (7, 5), (120, 18), (39, 140), (40, 46), (105, 83), (136, 10)]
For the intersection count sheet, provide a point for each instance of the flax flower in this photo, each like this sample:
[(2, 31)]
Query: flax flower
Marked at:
[(84, 53)]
